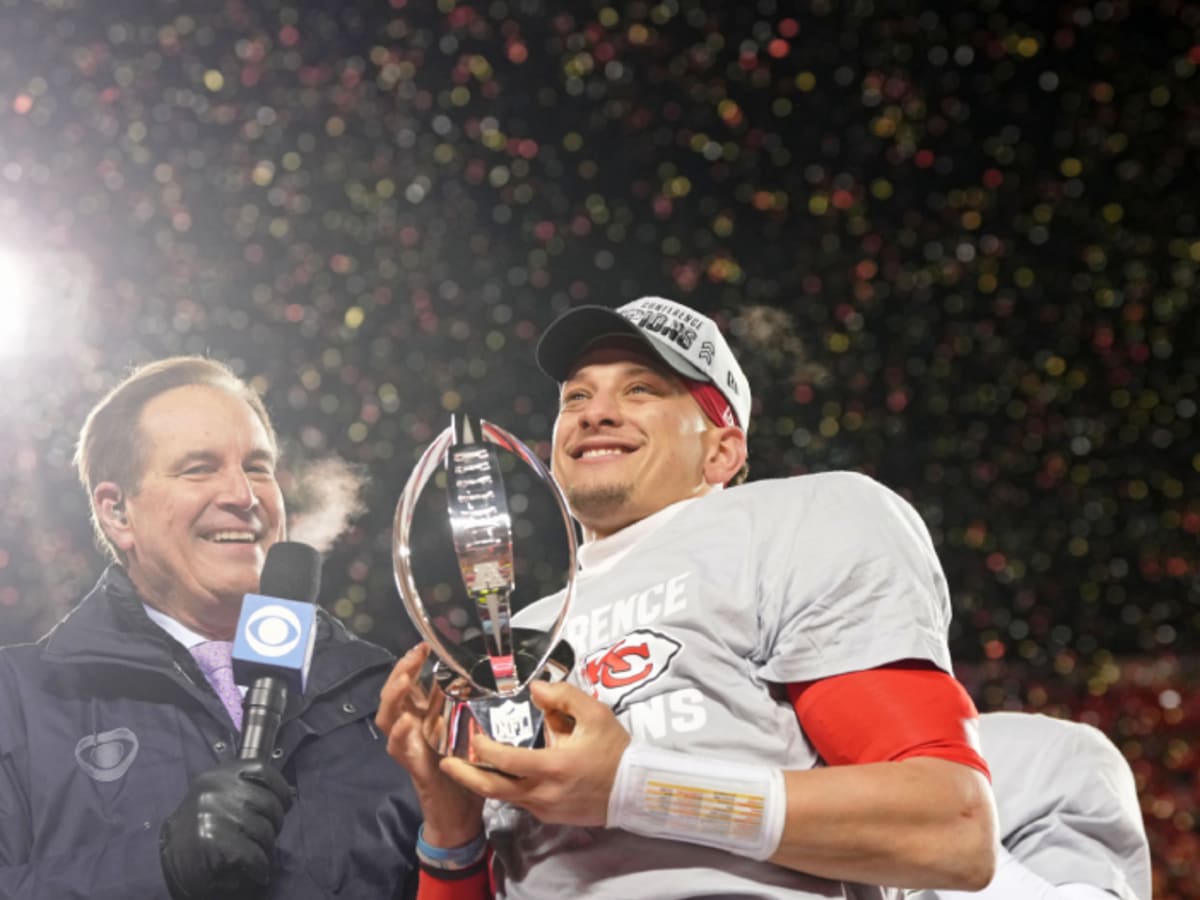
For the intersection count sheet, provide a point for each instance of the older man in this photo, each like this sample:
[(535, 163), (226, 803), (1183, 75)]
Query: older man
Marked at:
[(118, 776)]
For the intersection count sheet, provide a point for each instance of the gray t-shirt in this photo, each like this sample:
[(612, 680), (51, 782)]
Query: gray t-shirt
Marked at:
[(686, 623), (1067, 804)]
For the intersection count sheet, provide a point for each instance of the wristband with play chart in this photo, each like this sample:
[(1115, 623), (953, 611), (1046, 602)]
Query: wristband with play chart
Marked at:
[(732, 806)]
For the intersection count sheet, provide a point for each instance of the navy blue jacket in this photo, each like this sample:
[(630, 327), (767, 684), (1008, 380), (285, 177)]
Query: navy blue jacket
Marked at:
[(106, 720)]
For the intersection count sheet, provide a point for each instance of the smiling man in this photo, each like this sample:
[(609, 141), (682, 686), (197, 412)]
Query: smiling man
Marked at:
[(118, 776), (194, 528), (762, 705), (615, 477)]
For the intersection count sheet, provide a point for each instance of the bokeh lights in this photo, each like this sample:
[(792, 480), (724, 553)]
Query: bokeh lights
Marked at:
[(956, 244)]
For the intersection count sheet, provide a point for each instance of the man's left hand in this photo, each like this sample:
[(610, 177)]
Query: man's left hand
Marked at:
[(569, 781)]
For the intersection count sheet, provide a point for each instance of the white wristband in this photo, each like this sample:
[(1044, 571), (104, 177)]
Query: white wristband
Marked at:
[(731, 806)]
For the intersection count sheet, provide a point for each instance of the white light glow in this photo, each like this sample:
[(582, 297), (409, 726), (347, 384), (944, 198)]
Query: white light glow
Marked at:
[(16, 298)]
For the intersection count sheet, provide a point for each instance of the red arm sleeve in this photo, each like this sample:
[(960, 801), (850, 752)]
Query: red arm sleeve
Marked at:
[(472, 883), (889, 714), (473, 887)]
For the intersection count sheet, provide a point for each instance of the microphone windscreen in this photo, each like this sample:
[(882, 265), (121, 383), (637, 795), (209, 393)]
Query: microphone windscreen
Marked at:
[(292, 571)]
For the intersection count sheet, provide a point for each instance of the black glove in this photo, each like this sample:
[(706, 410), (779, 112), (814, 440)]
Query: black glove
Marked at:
[(220, 841)]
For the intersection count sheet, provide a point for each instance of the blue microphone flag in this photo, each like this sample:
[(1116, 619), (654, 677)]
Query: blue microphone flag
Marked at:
[(274, 638)]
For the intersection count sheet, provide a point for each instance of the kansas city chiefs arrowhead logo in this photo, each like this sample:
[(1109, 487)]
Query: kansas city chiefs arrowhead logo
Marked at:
[(616, 672)]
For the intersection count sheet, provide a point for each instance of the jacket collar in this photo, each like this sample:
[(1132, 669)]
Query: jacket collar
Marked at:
[(110, 626)]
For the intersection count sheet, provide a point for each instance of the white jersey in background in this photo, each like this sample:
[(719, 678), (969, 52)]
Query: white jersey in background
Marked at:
[(683, 622), (1069, 817)]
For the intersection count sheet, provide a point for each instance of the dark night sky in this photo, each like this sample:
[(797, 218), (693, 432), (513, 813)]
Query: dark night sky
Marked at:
[(956, 250)]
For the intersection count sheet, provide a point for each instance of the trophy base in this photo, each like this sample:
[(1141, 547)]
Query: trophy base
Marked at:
[(463, 710)]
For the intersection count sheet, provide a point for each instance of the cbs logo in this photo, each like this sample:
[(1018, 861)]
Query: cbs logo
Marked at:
[(273, 631)]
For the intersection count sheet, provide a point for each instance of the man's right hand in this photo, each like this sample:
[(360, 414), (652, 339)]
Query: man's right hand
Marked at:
[(406, 712), (220, 841)]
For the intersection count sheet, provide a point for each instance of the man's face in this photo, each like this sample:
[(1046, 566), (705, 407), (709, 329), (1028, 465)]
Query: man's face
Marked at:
[(207, 509), (629, 439)]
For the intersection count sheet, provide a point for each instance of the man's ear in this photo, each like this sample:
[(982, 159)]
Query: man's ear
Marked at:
[(726, 454), (109, 501)]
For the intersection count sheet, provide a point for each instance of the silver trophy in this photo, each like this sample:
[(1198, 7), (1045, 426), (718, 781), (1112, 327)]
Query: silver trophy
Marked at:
[(479, 681)]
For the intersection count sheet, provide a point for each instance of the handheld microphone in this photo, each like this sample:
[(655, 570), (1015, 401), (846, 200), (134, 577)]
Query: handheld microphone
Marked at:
[(273, 648)]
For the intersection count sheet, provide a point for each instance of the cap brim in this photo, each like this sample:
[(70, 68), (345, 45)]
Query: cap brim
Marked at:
[(573, 332)]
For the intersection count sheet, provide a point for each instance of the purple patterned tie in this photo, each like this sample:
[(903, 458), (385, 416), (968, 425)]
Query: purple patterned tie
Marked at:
[(215, 659)]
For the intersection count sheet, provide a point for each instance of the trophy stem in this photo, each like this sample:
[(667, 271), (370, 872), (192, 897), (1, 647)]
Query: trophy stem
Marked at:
[(494, 608), (482, 532)]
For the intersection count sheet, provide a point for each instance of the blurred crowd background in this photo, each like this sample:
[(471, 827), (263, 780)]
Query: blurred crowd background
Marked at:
[(956, 246)]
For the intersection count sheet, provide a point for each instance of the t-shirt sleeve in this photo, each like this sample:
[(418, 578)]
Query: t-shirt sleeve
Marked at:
[(848, 580), (1067, 803)]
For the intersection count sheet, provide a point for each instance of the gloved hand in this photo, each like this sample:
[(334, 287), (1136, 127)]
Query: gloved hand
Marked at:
[(219, 842)]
